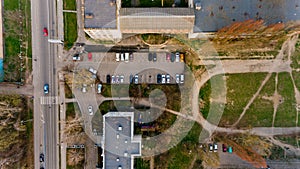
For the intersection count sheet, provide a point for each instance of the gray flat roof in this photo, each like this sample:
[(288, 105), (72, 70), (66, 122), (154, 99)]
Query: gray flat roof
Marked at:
[(157, 12), (216, 14), (104, 14), (119, 145)]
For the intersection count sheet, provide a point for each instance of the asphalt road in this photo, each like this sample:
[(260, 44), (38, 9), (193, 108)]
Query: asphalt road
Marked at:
[(45, 115)]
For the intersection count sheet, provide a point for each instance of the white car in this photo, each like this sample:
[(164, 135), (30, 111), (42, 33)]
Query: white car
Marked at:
[(182, 78), (136, 79), (177, 57), (163, 79), (117, 57), (112, 79), (177, 78), (84, 88), (126, 57), (168, 78), (121, 79), (215, 147), (92, 70), (122, 57), (117, 79), (99, 88), (90, 109)]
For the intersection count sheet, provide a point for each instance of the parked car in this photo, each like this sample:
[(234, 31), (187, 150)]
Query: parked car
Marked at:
[(136, 79), (121, 79), (181, 57), (84, 88), (158, 78), (126, 57), (230, 149), (198, 6), (92, 70), (215, 147), (168, 56), (168, 78), (76, 57), (99, 88), (224, 148), (182, 78), (163, 79), (211, 148), (122, 57), (177, 77), (108, 79), (41, 157), (131, 79), (177, 57), (117, 80), (112, 79), (154, 57), (45, 31), (46, 88), (131, 57), (117, 57), (150, 57), (90, 109), (172, 57)]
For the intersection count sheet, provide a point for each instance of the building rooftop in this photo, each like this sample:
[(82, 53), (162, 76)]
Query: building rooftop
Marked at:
[(157, 12), (156, 20), (100, 14), (120, 146), (216, 14)]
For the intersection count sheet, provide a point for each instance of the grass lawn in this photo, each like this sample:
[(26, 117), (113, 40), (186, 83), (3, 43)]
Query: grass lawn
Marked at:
[(296, 56), (70, 29), (16, 36), (181, 156), (286, 112), (260, 113), (240, 89), (68, 92), (141, 163), (293, 140), (70, 110), (69, 4)]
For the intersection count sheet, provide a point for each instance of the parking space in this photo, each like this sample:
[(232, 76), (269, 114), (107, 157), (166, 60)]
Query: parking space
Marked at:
[(147, 71)]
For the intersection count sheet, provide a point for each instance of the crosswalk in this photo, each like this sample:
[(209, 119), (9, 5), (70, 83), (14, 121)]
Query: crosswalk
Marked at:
[(46, 100)]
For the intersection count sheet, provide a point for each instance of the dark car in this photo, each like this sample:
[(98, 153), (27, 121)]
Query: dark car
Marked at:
[(154, 57), (108, 79), (131, 79), (172, 57), (159, 78), (46, 88), (41, 157), (150, 56), (224, 148)]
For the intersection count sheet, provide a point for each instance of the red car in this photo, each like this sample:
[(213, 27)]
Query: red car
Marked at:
[(168, 56), (45, 30)]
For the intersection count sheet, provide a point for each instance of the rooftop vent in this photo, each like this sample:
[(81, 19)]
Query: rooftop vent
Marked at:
[(89, 15)]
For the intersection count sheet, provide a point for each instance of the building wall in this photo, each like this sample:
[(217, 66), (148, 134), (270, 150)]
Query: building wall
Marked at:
[(104, 34)]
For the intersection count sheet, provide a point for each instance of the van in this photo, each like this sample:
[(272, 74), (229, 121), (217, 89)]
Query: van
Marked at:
[(126, 57), (117, 57)]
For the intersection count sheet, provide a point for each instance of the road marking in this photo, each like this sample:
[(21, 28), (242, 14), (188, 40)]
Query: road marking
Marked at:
[(46, 100)]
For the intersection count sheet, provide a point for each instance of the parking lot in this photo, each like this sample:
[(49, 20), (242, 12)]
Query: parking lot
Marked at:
[(139, 65)]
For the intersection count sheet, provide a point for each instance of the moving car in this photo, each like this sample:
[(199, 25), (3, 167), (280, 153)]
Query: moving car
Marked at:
[(158, 78), (90, 109), (45, 31), (99, 88), (163, 79), (41, 157), (46, 88), (168, 78)]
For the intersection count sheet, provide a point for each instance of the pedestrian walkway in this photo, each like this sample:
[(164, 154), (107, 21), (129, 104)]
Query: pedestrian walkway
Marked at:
[(49, 100)]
